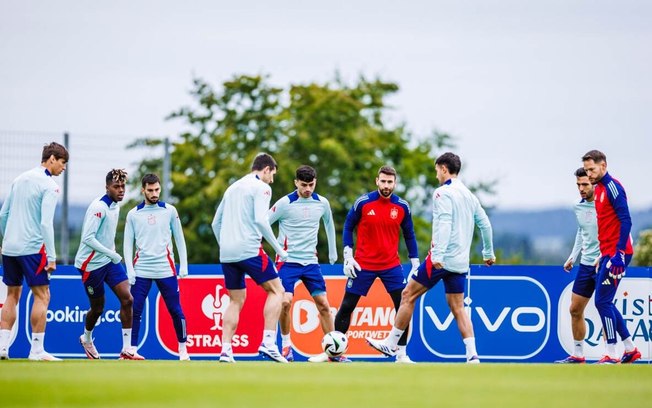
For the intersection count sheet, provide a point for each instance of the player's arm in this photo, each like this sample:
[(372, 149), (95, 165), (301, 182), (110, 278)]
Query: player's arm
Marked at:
[(577, 247), (486, 232), (48, 205), (352, 219), (329, 225), (408, 234), (217, 221), (128, 248), (92, 223), (443, 213), (180, 241), (619, 203), (4, 211), (277, 210), (261, 206)]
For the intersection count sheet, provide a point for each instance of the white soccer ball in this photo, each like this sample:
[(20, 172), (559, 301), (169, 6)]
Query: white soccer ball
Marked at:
[(334, 344)]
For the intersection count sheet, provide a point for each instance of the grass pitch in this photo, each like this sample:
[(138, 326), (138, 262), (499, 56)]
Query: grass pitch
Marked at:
[(151, 383)]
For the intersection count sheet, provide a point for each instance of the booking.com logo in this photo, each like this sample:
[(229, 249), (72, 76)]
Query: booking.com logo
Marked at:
[(516, 326)]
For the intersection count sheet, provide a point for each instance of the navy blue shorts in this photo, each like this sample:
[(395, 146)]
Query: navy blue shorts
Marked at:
[(93, 281), (291, 272), (260, 268), (584, 284), (429, 277), (392, 278), (31, 267)]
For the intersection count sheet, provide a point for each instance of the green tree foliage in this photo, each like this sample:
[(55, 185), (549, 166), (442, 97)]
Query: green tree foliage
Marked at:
[(338, 129), (643, 249)]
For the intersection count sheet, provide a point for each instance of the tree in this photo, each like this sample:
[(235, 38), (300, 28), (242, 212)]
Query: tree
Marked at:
[(338, 129), (643, 250)]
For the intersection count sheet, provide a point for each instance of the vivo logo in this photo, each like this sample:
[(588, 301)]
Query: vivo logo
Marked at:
[(510, 315), (496, 323)]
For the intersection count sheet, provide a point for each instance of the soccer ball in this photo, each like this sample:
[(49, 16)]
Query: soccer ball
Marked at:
[(334, 344)]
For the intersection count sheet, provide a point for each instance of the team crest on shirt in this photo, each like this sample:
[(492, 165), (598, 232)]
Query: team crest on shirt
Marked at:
[(151, 219), (393, 213)]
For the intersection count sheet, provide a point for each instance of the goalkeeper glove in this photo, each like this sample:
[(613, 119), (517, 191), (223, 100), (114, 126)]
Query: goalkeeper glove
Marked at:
[(350, 264), (616, 265)]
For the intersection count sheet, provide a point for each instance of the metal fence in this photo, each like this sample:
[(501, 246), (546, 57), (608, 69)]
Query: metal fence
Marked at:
[(91, 157)]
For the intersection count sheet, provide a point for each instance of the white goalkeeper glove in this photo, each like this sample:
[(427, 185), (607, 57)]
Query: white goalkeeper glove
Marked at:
[(415, 265), (350, 264)]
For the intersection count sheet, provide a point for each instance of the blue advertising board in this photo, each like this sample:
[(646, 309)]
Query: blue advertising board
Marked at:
[(519, 314)]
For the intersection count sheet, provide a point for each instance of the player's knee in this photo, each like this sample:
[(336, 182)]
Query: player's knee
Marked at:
[(285, 305), (576, 311), (127, 301)]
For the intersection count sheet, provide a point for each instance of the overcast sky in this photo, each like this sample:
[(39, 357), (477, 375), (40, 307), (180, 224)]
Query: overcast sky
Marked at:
[(526, 87)]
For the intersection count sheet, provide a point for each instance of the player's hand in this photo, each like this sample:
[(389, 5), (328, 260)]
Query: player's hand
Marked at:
[(115, 258), (436, 263), (282, 255), (489, 261), (616, 265), (183, 272), (332, 259), (415, 265), (51, 267), (350, 264), (350, 268), (568, 265), (132, 279)]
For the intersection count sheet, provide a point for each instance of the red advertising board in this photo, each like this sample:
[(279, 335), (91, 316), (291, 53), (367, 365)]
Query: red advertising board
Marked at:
[(204, 300)]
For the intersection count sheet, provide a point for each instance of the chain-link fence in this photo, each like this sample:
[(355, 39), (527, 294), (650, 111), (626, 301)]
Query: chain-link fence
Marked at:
[(91, 157)]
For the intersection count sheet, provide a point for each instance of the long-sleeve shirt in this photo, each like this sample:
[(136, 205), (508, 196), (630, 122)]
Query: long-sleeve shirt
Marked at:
[(456, 211), (379, 221), (97, 245), (153, 226), (614, 221), (27, 215), (586, 239), (241, 220), (298, 220)]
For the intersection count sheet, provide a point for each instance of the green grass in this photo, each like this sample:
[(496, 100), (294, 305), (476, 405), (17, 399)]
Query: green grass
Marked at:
[(367, 385)]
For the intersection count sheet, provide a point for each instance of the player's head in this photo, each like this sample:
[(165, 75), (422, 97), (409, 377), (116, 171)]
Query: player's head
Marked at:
[(151, 188), (595, 165), (386, 180), (116, 180), (584, 185), (448, 165), (305, 180), (264, 166), (54, 158)]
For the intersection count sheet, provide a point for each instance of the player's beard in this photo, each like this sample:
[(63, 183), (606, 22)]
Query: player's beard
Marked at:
[(152, 200), (386, 192)]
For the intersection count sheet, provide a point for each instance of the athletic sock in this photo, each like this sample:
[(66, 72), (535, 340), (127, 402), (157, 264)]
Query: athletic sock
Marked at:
[(126, 339), (227, 349), (579, 348), (182, 347), (285, 340), (629, 344), (4, 338), (269, 338), (401, 351), (611, 350), (37, 343), (469, 343), (393, 338), (88, 336)]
